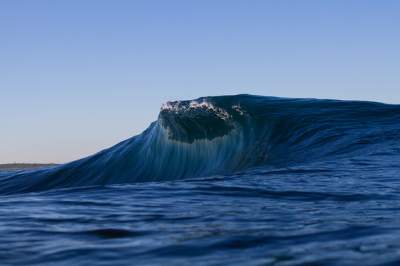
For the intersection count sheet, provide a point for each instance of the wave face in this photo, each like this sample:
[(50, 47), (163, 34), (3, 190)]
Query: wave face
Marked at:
[(226, 135)]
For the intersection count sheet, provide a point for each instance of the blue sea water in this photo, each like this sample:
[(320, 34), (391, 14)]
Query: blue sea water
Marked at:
[(229, 180)]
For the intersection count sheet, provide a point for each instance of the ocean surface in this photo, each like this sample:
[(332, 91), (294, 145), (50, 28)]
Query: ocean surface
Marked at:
[(228, 180)]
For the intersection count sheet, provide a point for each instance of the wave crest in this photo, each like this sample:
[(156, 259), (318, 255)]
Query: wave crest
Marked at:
[(188, 121)]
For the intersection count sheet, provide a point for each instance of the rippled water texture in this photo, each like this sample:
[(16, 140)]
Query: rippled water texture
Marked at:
[(235, 180)]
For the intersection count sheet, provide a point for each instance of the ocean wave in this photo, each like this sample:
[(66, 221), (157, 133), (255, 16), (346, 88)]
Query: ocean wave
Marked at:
[(224, 135)]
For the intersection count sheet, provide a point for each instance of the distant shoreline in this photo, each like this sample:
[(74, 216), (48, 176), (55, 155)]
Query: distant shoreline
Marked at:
[(20, 166)]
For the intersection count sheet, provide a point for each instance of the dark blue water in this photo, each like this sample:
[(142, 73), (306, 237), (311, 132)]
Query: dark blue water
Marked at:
[(233, 180)]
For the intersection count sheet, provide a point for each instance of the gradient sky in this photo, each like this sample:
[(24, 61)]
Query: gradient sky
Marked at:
[(79, 76)]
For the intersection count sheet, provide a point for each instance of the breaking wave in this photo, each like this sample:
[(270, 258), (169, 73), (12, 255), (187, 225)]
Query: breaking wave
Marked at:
[(224, 135)]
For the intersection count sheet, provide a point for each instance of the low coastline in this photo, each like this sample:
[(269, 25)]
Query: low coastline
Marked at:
[(23, 166)]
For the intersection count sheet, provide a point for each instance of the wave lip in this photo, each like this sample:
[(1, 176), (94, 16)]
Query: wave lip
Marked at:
[(188, 121)]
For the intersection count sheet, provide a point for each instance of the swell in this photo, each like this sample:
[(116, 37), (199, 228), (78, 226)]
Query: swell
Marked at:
[(224, 135)]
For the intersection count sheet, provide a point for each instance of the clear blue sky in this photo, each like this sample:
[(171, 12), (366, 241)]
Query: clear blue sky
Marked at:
[(79, 76)]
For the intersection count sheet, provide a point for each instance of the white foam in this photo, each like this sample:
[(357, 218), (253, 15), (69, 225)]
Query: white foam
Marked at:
[(238, 109), (205, 105)]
